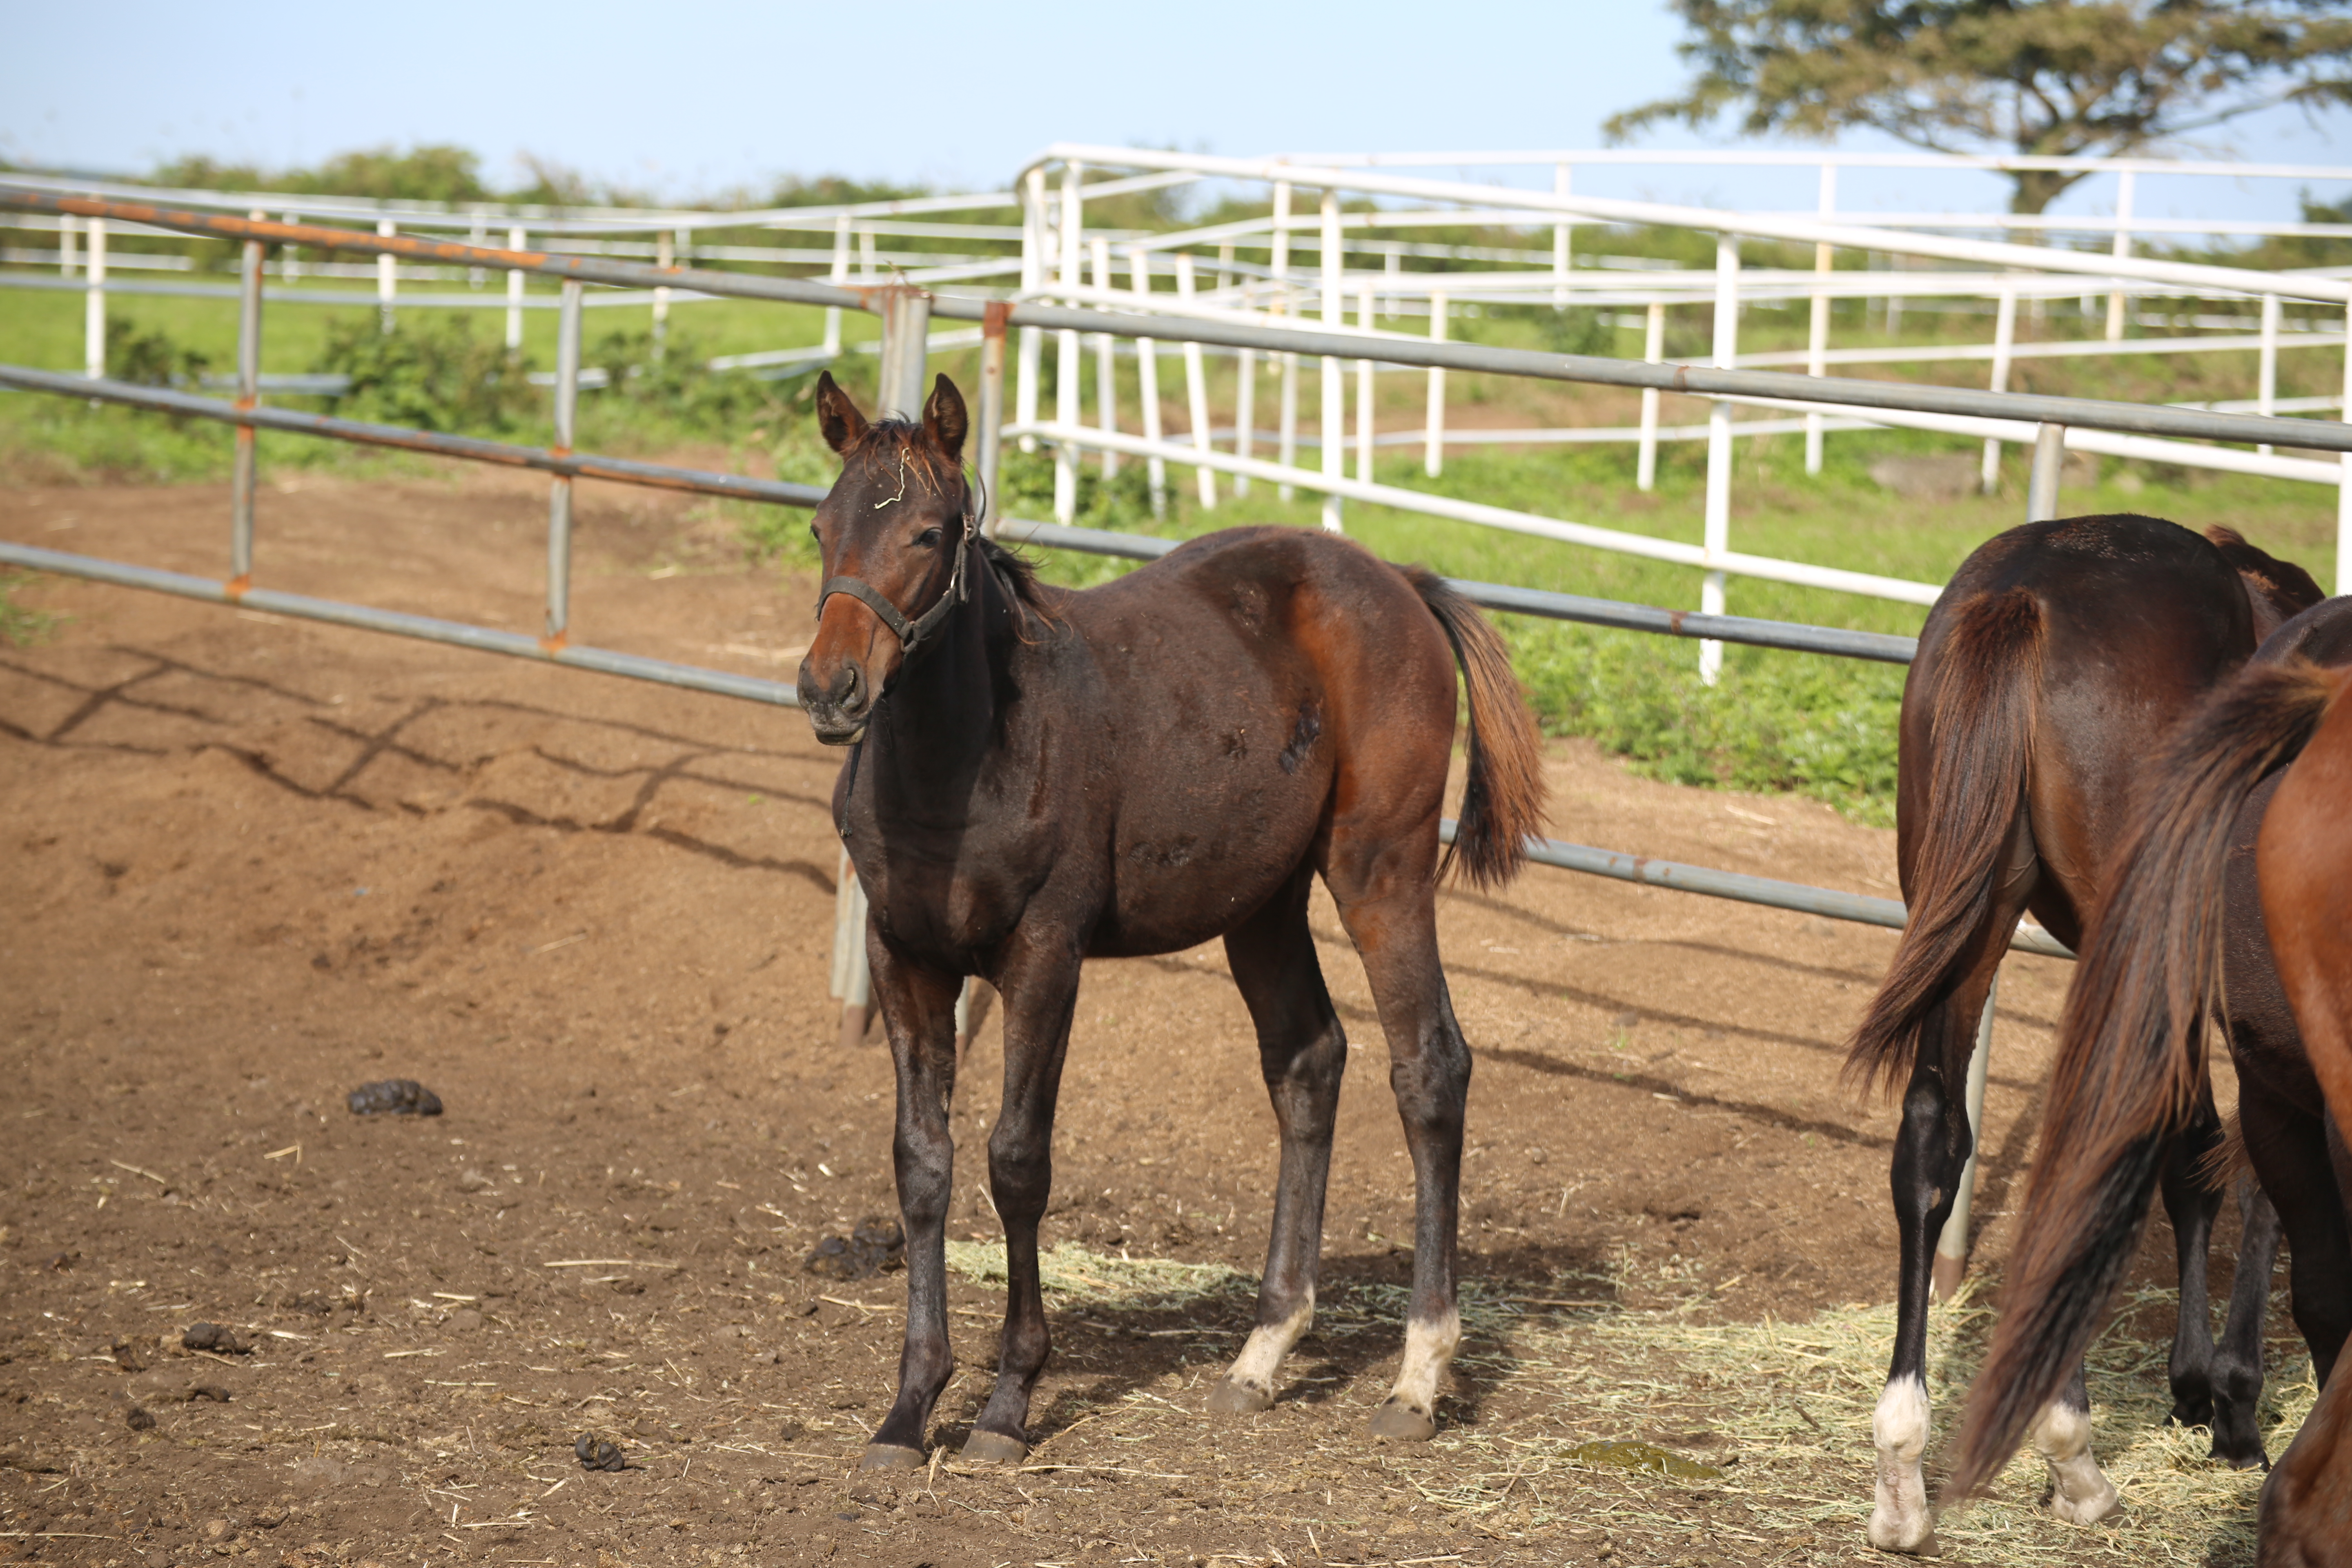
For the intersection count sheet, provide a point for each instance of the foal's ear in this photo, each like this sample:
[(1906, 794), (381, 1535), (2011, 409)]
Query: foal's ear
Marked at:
[(836, 415), (945, 418)]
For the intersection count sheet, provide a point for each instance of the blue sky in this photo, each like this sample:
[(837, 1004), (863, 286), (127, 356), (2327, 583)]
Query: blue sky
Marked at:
[(691, 99)]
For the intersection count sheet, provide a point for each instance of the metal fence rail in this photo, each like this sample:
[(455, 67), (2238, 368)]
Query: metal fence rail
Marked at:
[(1327, 341), (907, 313)]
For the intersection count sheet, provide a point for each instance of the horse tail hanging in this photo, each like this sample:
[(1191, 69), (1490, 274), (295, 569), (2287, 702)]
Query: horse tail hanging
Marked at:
[(2131, 1048), (1503, 796), (1981, 721)]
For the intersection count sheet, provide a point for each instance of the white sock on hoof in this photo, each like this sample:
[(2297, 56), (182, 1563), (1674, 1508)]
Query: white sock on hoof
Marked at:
[(1899, 1520), (1428, 1351), (2080, 1493), (1262, 1356)]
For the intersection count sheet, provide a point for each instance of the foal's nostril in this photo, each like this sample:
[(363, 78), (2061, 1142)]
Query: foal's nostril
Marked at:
[(850, 693)]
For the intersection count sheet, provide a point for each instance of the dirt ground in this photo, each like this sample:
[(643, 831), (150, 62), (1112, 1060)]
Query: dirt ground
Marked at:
[(248, 864)]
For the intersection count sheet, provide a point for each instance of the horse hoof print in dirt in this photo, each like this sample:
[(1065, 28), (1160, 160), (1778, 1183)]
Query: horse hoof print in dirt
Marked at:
[(1039, 776)]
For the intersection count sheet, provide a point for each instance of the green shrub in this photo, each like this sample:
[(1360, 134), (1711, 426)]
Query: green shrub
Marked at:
[(149, 356), (431, 373)]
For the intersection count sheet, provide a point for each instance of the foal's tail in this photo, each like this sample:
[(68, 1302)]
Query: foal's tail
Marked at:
[(2131, 1048), (1981, 710), (1503, 798)]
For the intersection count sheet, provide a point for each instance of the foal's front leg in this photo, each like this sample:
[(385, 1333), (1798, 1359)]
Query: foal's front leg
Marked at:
[(1041, 991), (918, 1009)]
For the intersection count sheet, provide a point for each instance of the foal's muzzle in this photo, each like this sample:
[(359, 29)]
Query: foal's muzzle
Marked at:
[(838, 711)]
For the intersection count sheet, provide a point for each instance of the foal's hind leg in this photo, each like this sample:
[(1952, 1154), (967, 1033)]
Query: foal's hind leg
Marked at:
[(2238, 1359), (1302, 1051), (2080, 1493), (1386, 896), (1931, 1149), (2191, 1204)]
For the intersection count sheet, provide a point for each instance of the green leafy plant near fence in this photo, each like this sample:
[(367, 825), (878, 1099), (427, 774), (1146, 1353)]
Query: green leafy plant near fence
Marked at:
[(431, 373)]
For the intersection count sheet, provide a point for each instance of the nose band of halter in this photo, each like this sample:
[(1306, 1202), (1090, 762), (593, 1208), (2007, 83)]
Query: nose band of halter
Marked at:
[(914, 635)]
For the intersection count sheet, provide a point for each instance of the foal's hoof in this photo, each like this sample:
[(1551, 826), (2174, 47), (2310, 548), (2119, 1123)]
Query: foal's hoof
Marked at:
[(892, 1457), (1401, 1422), (1231, 1398), (993, 1448)]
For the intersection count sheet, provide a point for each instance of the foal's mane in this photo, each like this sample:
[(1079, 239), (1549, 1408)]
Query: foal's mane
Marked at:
[(891, 446)]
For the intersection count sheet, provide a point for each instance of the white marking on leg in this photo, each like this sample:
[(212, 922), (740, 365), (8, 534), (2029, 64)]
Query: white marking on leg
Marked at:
[(1899, 1520), (1262, 1356), (1429, 1346), (2080, 1493)]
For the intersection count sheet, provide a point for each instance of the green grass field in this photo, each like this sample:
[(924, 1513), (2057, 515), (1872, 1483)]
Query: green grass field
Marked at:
[(1778, 721)]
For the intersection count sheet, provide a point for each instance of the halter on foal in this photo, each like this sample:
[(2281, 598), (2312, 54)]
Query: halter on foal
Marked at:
[(1039, 777)]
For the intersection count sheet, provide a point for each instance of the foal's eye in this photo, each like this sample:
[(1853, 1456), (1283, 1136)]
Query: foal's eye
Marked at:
[(927, 538)]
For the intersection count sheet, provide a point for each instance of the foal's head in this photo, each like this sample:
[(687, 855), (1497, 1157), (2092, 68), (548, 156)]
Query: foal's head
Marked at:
[(892, 530)]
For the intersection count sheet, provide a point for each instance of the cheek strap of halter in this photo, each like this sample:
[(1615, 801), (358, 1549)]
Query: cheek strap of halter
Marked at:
[(914, 635)]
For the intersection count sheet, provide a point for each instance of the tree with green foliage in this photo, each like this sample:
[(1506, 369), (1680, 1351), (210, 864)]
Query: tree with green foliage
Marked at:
[(2042, 77), (433, 173)]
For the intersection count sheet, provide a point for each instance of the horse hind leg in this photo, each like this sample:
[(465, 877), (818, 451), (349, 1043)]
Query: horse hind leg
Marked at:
[(1302, 1052), (1931, 1149), (2238, 1358), (2079, 1492), (1389, 910), (2191, 1204)]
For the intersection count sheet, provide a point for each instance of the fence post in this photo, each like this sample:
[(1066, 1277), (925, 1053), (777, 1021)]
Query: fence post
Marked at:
[(906, 333), (1560, 233), (1952, 1246), (2049, 457), (853, 981), (387, 274), (838, 275), (93, 319), (2266, 386), (1718, 448), (1816, 338), (2122, 248), (906, 351), (1278, 263), (2004, 338), (1432, 429), (1654, 351), (1147, 369), (68, 227), (665, 257), (515, 239), (2344, 480), (476, 236), (1065, 388), (248, 395), (1335, 388), (559, 494), (1196, 387), (1364, 319), (1033, 277), (288, 268), (1106, 364), (991, 455), (1245, 410)]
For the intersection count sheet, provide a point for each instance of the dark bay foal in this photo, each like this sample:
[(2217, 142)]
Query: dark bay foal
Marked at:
[(2233, 898), (2058, 656), (1037, 777)]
